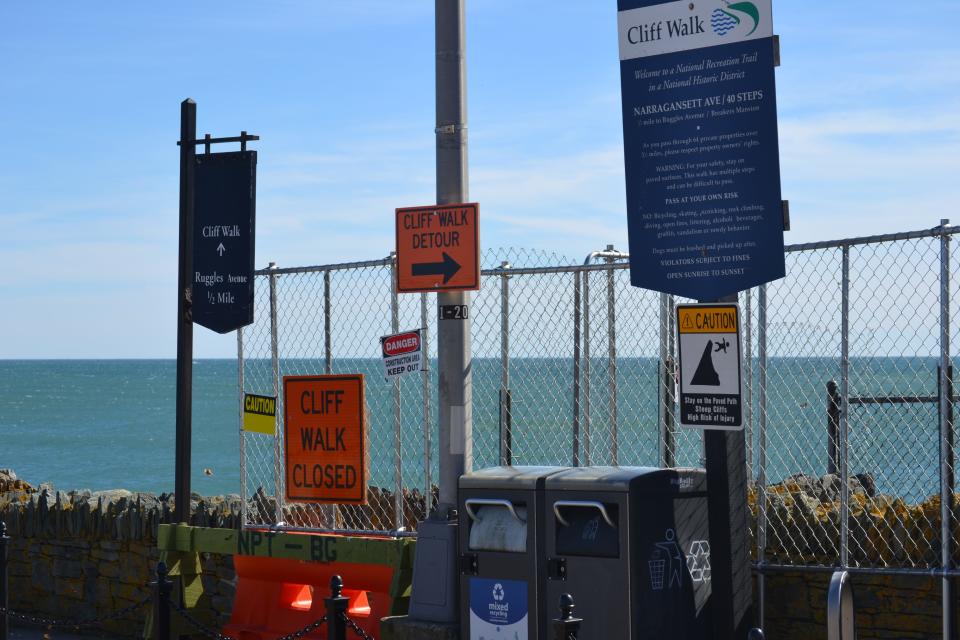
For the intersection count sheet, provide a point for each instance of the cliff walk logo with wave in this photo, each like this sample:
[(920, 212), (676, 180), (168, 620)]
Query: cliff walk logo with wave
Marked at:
[(681, 25), (723, 21)]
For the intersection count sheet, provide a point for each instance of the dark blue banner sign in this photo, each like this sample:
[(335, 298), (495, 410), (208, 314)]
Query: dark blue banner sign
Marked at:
[(700, 145), (223, 239)]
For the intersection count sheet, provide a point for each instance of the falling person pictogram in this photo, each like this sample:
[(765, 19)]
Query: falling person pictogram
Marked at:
[(706, 374)]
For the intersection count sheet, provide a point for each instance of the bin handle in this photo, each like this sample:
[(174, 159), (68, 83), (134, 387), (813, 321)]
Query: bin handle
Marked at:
[(489, 502), (583, 504)]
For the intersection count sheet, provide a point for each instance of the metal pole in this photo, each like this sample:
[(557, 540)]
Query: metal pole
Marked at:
[(833, 427), (188, 133), (748, 371), (845, 409), (4, 583), (577, 355), (566, 627), (453, 344), (243, 438), (662, 384), (506, 425), (328, 511), (612, 358), (336, 606), (327, 326), (162, 602), (762, 453), (399, 521), (585, 436), (946, 436), (671, 442), (425, 373), (278, 458)]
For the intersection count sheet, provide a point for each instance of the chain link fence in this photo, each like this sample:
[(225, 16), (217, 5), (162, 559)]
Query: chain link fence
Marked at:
[(573, 366)]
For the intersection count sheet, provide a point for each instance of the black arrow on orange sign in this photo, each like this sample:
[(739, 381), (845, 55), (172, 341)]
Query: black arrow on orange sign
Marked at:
[(447, 268)]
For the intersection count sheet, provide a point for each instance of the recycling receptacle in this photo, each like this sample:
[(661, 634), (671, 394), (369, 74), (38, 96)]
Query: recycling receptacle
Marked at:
[(631, 545), (501, 538)]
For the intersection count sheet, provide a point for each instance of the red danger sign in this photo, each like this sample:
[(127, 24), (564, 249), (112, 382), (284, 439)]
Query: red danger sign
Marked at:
[(400, 344), (402, 354)]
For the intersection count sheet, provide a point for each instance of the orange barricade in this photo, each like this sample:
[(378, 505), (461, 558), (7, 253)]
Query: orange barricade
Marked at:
[(277, 596)]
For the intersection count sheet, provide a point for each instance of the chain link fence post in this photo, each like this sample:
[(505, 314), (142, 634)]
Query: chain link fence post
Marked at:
[(506, 421), (612, 355), (845, 408), (399, 522), (762, 452), (587, 372), (336, 610), (668, 444), (278, 470), (577, 361), (946, 436), (566, 627), (427, 417)]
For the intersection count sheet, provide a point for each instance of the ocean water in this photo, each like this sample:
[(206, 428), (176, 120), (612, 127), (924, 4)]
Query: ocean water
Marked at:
[(101, 424)]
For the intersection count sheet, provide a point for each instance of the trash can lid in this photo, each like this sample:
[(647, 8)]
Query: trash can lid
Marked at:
[(507, 477), (629, 479)]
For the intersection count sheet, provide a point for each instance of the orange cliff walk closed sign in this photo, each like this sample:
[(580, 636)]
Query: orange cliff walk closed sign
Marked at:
[(325, 431), (438, 248)]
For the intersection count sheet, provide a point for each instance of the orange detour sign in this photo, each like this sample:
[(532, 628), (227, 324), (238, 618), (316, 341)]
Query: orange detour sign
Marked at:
[(326, 439), (438, 248)]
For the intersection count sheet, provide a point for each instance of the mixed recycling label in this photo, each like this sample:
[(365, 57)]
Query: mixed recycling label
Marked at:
[(710, 378), (498, 609)]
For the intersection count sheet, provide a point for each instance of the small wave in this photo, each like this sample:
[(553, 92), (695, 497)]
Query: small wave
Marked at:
[(722, 22)]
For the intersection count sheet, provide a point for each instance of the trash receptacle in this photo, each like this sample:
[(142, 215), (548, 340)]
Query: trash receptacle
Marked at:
[(501, 537), (631, 545)]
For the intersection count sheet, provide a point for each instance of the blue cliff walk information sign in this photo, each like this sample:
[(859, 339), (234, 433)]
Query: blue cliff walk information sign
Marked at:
[(223, 240), (700, 145)]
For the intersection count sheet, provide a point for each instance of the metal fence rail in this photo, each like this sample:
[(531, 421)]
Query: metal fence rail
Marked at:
[(572, 365)]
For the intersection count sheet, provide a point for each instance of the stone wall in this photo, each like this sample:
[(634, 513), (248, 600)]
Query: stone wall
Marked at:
[(83, 554), (887, 607)]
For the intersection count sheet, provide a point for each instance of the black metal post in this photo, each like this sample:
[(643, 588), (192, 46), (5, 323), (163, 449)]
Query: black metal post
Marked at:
[(755, 634), (161, 602), (833, 427), (336, 609), (726, 467), (188, 134), (566, 627), (4, 590)]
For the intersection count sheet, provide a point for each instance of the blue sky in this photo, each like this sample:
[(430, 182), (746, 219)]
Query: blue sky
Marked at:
[(342, 95)]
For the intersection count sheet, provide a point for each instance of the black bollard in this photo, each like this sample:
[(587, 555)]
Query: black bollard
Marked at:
[(755, 634), (336, 609), (4, 591), (161, 602), (566, 627)]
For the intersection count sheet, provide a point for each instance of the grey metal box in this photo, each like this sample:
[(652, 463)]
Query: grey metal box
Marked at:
[(501, 553), (631, 545)]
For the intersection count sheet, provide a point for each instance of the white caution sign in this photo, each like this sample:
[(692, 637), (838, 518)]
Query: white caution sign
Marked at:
[(710, 380), (402, 353)]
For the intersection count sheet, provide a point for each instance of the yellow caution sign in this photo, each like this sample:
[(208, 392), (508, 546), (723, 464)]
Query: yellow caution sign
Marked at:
[(260, 414), (707, 319), (711, 386)]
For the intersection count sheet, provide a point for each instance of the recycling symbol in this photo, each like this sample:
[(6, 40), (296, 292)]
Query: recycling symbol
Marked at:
[(698, 561), (498, 592)]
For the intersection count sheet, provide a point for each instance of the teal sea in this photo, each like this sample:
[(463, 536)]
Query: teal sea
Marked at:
[(100, 424)]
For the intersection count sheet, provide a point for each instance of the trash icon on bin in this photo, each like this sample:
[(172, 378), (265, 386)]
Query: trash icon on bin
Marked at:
[(658, 565)]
